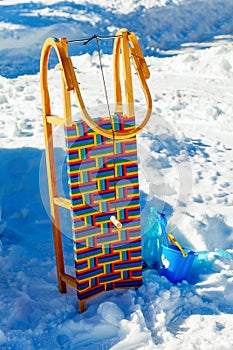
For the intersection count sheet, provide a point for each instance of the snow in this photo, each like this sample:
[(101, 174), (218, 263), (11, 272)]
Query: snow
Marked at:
[(186, 164), (167, 25)]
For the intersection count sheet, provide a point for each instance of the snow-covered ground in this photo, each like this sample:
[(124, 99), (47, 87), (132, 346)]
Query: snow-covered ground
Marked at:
[(186, 166), (162, 26)]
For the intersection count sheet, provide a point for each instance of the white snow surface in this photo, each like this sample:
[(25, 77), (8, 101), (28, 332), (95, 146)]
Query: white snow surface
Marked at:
[(186, 166)]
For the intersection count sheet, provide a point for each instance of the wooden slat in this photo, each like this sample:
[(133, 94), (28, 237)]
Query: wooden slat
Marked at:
[(65, 89), (62, 202), (127, 74), (116, 76), (68, 279), (52, 119)]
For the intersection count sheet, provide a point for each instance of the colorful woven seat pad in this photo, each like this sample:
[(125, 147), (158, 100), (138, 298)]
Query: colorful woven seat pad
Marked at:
[(103, 181)]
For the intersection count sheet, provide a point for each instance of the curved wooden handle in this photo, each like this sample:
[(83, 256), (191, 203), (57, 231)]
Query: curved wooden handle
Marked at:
[(121, 43), (70, 82), (60, 46)]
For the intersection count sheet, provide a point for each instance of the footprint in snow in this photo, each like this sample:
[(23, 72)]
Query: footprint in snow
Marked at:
[(20, 133)]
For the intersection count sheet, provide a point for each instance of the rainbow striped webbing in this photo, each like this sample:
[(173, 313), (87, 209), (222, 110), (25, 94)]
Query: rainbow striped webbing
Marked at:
[(103, 181)]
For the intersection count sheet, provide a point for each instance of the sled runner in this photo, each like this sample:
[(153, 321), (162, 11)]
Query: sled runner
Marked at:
[(102, 169)]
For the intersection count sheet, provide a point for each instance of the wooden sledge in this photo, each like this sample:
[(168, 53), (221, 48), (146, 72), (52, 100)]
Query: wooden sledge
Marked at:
[(102, 174)]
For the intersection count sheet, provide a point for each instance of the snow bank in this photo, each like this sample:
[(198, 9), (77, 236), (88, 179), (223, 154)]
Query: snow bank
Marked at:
[(161, 25)]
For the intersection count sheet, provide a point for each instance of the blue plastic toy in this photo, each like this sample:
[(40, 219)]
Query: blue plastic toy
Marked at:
[(151, 249), (176, 266), (169, 258), (176, 260)]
